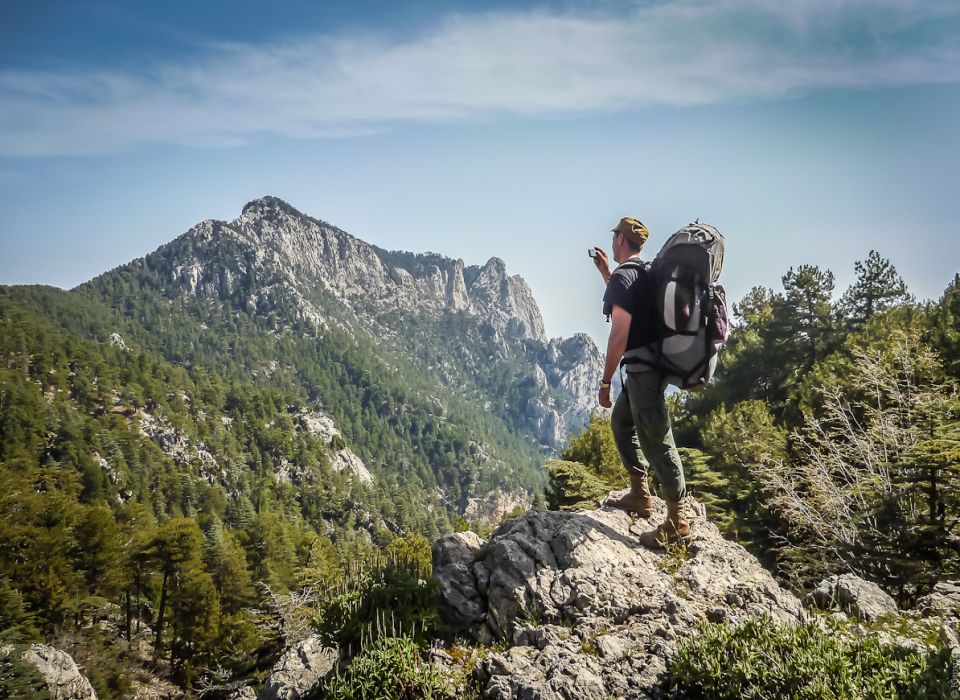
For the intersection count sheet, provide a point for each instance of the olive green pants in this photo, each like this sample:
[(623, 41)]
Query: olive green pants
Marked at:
[(641, 428)]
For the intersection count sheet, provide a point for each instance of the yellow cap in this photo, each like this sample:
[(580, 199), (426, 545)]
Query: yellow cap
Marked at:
[(633, 229)]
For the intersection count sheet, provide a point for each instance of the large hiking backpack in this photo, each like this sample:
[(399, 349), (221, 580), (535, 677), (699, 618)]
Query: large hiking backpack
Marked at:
[(691, 309)]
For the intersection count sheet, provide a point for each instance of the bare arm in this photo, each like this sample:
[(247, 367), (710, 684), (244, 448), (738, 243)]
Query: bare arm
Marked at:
[(616, 346)]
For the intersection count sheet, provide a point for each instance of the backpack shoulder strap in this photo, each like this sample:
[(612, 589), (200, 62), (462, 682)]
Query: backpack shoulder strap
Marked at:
[(632, 265)]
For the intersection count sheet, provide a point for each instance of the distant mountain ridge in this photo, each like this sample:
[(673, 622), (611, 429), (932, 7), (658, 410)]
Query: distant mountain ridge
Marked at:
[(274, 256)]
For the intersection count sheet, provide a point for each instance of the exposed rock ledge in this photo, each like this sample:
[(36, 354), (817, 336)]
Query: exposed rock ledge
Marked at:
[(591, 612)]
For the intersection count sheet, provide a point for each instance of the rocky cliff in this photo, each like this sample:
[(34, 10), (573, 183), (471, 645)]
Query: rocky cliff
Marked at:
[(588, 612)]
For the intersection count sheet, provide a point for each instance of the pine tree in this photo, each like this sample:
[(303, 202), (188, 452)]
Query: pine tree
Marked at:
[(877, 288)]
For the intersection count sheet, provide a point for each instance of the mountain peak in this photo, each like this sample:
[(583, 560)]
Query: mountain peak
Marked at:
[(495, 264), (269, 206)]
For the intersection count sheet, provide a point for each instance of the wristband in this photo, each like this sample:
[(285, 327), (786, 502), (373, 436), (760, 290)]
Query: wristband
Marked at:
[(604, 385)]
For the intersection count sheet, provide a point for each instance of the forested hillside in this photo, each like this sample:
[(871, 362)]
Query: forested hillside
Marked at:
[(157, 496)]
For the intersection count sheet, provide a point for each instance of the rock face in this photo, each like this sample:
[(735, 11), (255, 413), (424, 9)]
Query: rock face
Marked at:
[(274, 257), (943, 601), (864, 600), (299, 670), (590, 611), (321, 425), (61, 673)]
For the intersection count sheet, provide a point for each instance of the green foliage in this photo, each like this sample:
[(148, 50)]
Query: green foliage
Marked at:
[(674, 557), (871, 484), (944, 327), (19, 678), (415, 550), (878, 287), (834, 429), (389, 669), (595, 448), (385, 596), (589, 468), (708, 485), (13, 615), (761, 659), (739, 439), (322, 568), (574, 486)]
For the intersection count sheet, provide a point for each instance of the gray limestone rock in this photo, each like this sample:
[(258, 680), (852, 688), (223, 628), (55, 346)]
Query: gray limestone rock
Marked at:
[(299, 670), (244, 693), (590, 611), (61, 673), (454, 556), (943, 600), (849, 593)]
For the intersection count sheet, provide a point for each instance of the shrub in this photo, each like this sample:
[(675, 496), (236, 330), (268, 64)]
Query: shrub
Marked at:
[(389, 596), (19, 678), (389, 669), (595, 448), (574, 486), (760, 659)]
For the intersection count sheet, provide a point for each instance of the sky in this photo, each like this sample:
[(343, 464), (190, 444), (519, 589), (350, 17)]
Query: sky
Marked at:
[(806, 131)]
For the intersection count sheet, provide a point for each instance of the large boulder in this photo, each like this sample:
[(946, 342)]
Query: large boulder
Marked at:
[(943, 600), (589, 610), (864, 600), (61, 673), (299, 670)]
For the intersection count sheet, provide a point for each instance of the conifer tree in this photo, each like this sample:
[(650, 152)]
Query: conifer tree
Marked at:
[(945, 327), (802, 330), (877, 288)]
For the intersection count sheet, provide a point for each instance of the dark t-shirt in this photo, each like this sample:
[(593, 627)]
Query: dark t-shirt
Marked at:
[(628, 288)]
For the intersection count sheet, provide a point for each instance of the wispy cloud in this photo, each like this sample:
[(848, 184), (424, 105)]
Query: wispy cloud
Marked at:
[(689, 52)]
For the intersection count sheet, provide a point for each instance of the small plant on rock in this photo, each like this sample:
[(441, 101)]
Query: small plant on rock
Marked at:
[(675, 555), (390, 668)]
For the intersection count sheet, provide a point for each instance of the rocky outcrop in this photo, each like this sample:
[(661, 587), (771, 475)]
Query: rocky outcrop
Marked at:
[(322, 426), (942, 601), (244, 693), (63, 677), (851, 594), (495, 506), (591, 612), (569, 370), (299, 671)]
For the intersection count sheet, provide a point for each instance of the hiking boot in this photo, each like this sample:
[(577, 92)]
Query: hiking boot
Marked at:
[(674, 529), (637, 500)]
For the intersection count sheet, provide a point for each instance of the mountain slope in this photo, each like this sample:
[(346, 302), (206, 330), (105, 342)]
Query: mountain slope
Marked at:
[(297, 272), (291, 302)]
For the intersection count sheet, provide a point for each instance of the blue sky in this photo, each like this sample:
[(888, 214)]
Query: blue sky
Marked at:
[(807, 131)]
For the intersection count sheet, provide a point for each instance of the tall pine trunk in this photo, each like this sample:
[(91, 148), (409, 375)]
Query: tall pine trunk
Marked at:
[(163, 606)]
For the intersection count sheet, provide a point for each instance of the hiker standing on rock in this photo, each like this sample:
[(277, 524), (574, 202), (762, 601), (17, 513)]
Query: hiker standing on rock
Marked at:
[(641, 425)]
